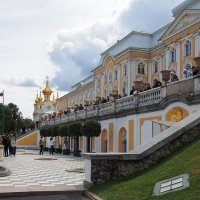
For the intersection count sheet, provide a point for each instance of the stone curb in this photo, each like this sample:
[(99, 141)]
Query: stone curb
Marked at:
[(91, 195), (38, 193)]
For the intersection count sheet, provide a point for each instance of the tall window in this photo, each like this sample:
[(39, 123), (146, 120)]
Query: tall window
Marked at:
[(110, 77), (124, 85), (141, 68), (98, 83), (187, 72), (173, 55), (124, 70), (155, 67), (104, 93), (187, 48), (105, 79), (115, 75), (109, 90)]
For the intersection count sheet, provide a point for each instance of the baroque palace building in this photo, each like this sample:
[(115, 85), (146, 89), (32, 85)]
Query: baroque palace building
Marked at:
[(131, 121)]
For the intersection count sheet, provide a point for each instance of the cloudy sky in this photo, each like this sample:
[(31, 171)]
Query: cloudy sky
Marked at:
[(62, 39)]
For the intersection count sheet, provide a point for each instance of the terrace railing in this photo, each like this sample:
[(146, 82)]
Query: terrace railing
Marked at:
[(149, 97)]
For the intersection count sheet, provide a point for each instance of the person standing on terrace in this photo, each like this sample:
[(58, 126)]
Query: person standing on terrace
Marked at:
[(195, 71), (132, 90), (156, 83), (124, 94)]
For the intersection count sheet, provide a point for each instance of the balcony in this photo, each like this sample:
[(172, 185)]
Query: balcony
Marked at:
[(187, 88)]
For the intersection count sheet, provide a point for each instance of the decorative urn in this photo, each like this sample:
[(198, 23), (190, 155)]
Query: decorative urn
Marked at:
[(165, 75)]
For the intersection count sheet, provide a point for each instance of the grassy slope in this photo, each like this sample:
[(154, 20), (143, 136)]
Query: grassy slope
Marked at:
[(186, 160)]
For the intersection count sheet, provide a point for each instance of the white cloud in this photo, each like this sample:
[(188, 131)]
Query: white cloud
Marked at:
[(76, 52), (23, 83), (90, 28)]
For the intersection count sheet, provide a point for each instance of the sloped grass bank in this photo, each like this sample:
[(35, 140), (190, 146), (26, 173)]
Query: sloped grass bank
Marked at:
[(140, 187)]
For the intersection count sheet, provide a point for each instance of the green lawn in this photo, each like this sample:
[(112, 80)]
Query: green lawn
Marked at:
[(140, 187)]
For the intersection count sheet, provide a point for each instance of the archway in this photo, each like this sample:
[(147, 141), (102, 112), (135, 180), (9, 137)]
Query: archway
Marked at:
[(122, 140), (104, 137)]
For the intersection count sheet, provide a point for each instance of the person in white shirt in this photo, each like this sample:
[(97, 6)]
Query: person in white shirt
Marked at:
[(51, 146)]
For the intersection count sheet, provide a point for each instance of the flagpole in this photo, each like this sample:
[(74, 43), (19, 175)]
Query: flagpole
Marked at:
[(3, 111)]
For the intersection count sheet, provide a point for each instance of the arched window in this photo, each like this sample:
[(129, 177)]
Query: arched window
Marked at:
[(109, 90), (187, 72), (155, 67), (124, 70), (104, 93), (173, 55), (105, 79), (187, 48), (141, 68), (98, 82), (110, 77), (124, 85), (115, 75)]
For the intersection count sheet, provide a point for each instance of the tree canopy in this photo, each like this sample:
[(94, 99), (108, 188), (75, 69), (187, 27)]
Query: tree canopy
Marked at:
[(91, 128), (13, 119)]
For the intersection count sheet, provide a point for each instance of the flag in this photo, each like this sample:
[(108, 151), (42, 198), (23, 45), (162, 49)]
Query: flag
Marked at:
[(1, 94)]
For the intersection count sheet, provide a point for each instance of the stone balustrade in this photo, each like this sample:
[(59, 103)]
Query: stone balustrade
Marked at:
[(126, 103), (106, 108), (150, 97), (146, 98)]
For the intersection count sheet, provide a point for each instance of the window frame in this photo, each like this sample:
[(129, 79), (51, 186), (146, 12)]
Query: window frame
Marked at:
[(141, 68), (188, 48)]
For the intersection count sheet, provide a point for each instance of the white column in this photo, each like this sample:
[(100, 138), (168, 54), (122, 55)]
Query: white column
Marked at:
[(88, 170), (167, 58), (95, 87), (133, 72), (98, 141), (149, 69), (178, 58), (197, 45), (118, 78), (129, 77)]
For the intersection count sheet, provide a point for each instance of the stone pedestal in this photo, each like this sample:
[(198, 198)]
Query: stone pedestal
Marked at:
[(1, 152)]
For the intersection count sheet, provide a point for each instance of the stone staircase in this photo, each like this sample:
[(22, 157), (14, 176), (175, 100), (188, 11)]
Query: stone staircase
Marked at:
[(30, 140), (102, 167)]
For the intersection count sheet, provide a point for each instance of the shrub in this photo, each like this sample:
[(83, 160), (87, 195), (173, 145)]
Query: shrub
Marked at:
[(75, 129), (91, 128)]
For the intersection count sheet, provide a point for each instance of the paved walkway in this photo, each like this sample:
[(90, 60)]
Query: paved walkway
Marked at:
[(42, 173)]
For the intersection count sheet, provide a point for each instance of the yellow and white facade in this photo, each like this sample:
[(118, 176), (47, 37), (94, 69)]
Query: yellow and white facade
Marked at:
[(141, 56)]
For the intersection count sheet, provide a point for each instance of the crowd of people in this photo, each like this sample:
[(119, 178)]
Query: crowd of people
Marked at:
[(9, 143), (144, 87)]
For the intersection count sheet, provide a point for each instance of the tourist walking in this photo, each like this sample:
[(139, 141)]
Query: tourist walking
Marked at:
[(6, 145), (41, 144), (51, 146), (13, 144), (9, 145)]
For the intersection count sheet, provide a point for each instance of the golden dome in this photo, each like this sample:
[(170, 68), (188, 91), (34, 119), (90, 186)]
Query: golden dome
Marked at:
[(47, 90), (37, 99), (40, 99)]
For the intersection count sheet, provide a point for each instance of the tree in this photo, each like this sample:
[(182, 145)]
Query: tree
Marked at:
[(11, 119), (63, 130), (90, 128), (43, 132), (75, 131)]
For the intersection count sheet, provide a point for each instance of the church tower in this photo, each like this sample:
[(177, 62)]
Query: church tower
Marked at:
[(44, 106)]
